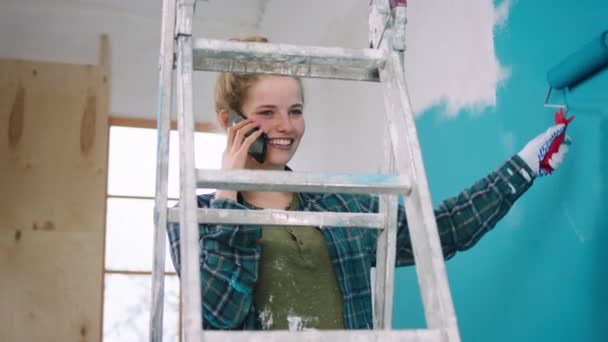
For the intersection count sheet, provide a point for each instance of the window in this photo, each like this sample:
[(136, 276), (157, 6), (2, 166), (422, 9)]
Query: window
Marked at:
[(130, 230)]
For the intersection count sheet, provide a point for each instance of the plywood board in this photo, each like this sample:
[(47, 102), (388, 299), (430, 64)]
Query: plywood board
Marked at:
[(53, 171)]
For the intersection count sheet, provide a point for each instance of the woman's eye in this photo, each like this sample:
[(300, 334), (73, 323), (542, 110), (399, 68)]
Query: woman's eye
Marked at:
[(265, 112), (296, 111)]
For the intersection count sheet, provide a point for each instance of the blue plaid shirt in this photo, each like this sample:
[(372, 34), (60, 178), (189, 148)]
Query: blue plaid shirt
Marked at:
[(230, 253)]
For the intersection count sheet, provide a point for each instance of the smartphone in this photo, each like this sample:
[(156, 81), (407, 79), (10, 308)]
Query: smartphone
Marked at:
[(257, 150)]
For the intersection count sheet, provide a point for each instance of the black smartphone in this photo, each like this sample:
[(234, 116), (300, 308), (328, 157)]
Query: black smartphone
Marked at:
[(257, 150)]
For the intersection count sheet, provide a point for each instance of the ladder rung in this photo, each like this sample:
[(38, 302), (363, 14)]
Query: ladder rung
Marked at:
[(246, 180), (273, 217), (421, 335), (286, 59)]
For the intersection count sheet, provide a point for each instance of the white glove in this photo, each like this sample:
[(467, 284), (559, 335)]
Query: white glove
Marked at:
[(532, 152)]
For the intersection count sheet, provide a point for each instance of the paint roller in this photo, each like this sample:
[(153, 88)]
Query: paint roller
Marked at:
[(573, 70), (578, 66)]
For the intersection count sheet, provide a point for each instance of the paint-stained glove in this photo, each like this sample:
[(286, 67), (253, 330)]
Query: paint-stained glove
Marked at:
[(536, 151)]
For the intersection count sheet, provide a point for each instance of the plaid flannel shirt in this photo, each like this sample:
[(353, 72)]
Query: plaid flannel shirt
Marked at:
[(230, 253)]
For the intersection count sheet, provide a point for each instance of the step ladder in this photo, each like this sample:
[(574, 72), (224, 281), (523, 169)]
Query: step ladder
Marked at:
[(403, 173)]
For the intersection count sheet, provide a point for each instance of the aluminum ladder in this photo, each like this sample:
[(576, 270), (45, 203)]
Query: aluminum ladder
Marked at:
[(403, 173)]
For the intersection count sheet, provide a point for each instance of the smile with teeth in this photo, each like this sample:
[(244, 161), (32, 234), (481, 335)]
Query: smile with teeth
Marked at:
[(281, 143)]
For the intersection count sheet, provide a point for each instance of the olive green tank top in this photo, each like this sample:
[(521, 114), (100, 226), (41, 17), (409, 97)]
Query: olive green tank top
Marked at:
[(297, 287)]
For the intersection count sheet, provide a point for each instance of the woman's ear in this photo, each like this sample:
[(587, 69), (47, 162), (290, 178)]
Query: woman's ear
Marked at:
[(222, 117)]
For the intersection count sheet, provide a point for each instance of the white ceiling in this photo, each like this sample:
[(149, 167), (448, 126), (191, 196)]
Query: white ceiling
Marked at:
[(242, 13)]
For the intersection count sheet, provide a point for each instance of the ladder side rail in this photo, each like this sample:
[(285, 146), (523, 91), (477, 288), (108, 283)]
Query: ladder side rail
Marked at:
[(385, 265), (428, 255), (163, 118), (386, 250), (396, 26), (189, 239), (391, 244), (379, 279), (378, 18)]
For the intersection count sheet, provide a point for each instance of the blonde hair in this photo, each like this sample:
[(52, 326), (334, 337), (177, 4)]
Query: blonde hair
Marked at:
[(231, 88)]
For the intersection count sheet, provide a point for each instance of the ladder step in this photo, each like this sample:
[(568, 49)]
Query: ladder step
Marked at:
[(421, 335), (246, 180), (275, 217), (286, 59)]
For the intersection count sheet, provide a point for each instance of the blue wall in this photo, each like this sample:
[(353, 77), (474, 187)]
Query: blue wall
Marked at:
[(540, 275)]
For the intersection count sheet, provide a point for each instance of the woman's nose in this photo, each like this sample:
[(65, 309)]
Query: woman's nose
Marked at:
[(283, 123)]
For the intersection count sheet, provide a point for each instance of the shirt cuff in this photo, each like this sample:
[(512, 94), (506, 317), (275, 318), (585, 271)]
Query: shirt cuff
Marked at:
[(516, 176)]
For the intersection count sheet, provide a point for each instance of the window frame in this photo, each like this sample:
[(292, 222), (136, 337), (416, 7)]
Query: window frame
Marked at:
[(122, 121)]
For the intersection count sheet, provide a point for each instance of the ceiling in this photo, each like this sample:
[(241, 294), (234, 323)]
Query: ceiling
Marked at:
[(243, 13)]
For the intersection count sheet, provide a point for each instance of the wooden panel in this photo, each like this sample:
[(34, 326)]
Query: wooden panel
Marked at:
[(53, 167), (50, 286)]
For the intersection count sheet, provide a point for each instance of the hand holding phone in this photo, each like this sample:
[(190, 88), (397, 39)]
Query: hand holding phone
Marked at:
[(257, 150)]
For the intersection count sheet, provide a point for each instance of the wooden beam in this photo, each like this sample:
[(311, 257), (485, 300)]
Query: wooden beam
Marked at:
[(103, 79), (138, 197), (137, 273), (204, 127)]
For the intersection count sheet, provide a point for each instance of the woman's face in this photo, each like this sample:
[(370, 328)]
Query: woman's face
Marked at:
[(275, 103)]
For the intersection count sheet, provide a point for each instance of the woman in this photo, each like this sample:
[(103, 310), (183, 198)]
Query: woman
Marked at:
[(315, 277)]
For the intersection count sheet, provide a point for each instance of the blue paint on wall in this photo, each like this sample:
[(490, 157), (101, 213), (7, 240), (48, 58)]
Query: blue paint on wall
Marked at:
[(540, 275)]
